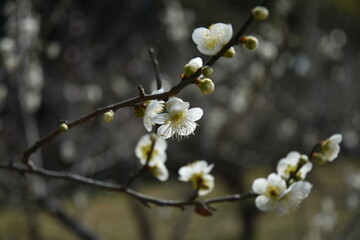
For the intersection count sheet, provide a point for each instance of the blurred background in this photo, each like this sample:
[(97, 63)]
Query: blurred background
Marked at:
[(63, 59)]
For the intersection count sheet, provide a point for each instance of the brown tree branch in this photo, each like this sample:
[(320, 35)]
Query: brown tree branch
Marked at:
[(145, 199)]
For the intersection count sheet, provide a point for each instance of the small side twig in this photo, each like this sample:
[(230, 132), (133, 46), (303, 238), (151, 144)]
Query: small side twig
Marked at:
[(141, 91), (155, 63)]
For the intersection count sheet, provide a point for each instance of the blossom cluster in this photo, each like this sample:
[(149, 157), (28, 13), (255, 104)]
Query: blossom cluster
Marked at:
[(284, 190), (151, 151)]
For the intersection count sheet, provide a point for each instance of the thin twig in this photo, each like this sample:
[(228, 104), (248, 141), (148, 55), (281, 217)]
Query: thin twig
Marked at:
[(156, 67)]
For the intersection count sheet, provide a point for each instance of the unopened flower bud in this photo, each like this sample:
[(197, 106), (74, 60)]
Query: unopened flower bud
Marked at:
[(109, 116), (260, 13), (192, 66), (230, 53), (139, 111), (250, 42), (205, 85), (63, 127), (207, 71)]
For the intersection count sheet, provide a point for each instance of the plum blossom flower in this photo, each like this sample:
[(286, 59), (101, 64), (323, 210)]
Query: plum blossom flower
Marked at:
[(290, 163), (275, 195), (210, 41), (330, 149), (198, 173), (179, 121), (153, 108), (156, 162), (292, 197)]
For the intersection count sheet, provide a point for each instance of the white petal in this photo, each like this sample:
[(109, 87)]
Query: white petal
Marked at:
[(293, 157), (199, 34), (228, 33), (171, 102), (185, 173), (179, 108), (276, 180), (154, 108), (147, 123), (195, 114), (160, 172), (293, 197), (337, 138), (143, 141), (187, 130), (160, 145), (260, 185), (264, 203), (165, 131), (161, 118), (305, 169), (208, 181)]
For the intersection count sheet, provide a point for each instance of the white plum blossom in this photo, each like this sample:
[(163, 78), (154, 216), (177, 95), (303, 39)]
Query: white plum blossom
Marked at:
[(292, 197), (269, 191), (210, 41), (275, 195), (291, 162), (179, 121), (198, 173), (330, 149), (153, 108), (158, 156)]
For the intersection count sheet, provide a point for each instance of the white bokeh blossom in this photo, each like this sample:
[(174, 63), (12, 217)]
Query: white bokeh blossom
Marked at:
[(159, 171), (210, 41), (153, 108), (275, 195), (179, 119), (290, 163), (198, 173), (158, 156)]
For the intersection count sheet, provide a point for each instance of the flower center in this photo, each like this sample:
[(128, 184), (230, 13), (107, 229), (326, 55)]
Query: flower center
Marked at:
[(177, 117), (211, 43), (290, 169), (273, 192)]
